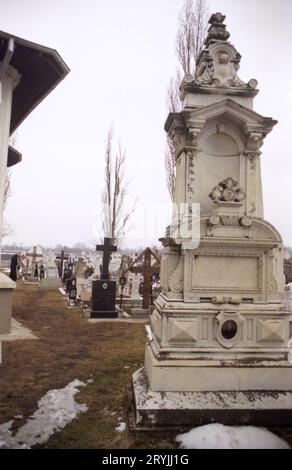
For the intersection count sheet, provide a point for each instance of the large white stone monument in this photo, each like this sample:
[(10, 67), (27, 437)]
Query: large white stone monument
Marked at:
[(218, 345)]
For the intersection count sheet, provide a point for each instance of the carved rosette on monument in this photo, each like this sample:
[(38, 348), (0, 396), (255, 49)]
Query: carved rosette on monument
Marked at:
[(219, 328)]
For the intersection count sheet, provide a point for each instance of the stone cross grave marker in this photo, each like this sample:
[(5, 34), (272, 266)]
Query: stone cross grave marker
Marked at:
[(62, 256), (35, 257)]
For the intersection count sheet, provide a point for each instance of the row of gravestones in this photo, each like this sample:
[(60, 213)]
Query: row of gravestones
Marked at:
[(104, 291), (120, 285)]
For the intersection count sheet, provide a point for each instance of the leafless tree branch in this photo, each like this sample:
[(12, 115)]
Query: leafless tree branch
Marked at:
[(173, 93), (170, 166), (192, 28), (115, 215), (7, 190)]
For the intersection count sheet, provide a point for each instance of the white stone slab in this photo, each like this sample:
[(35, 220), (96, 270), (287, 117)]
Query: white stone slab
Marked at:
[(145, 397), (233, 407)]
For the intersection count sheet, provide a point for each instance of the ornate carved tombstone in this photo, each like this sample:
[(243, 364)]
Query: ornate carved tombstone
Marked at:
[(220, 331)]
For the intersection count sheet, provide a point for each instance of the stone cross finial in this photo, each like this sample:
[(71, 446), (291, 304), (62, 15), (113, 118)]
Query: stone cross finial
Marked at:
[(217, 18), (217, 30)]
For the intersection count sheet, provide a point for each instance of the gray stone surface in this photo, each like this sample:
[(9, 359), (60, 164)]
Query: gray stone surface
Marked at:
[(50, 283), (140, 313), (162, 409), (18, 332)]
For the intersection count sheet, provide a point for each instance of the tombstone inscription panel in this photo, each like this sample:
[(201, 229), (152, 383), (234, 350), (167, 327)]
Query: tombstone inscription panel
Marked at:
[(103, 299)]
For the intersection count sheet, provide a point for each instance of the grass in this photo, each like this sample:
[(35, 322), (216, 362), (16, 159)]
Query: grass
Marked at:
[(69, 347)]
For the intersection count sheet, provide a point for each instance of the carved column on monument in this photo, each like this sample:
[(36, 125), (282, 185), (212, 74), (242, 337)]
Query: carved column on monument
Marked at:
[(254, 189)]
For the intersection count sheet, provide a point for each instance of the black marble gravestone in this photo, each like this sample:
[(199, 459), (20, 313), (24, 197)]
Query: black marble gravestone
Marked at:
[(13, 267), (104, 289), (103, 299)]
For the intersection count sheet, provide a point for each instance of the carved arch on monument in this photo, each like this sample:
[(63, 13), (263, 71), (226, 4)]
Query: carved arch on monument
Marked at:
[(223, 124), (221, 145), (229, 49), (263, 230), (243, 116)]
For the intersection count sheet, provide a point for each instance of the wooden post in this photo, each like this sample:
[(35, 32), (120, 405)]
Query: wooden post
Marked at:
[(147, 270)]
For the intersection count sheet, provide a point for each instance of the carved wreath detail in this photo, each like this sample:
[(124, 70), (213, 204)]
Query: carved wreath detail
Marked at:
[(227, 191)]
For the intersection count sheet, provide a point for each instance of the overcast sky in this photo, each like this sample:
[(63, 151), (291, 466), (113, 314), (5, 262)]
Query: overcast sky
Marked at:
[(121, 55)]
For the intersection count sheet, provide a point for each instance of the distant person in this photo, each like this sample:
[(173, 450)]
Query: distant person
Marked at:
[(151, 294), (14, 267), (65, 274), (36, 271), (141, 288), (42, 271)]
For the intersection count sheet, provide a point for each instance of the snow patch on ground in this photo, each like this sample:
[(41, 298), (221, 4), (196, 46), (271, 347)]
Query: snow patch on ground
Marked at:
[(55, 410), (121, 427), (7, 441), (218, 436)]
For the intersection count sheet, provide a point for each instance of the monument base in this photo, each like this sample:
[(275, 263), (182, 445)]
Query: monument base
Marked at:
[(169, 409), (50, 284), (200, 375), (104, 314), (140, 313), (31, 279)]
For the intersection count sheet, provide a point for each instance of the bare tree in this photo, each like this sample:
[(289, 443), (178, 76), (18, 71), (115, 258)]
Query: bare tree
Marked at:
[(173, 93), (174, 106), (192, 28), (201, 17), (6, 229), (193, 21), (115, 214), (185, 36), (170, 166), (7, 190)]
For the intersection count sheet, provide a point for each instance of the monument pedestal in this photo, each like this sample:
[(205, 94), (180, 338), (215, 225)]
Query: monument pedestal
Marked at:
[(167, 409), (31, 279), (6, 290), (51, 283), (140, 313)]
